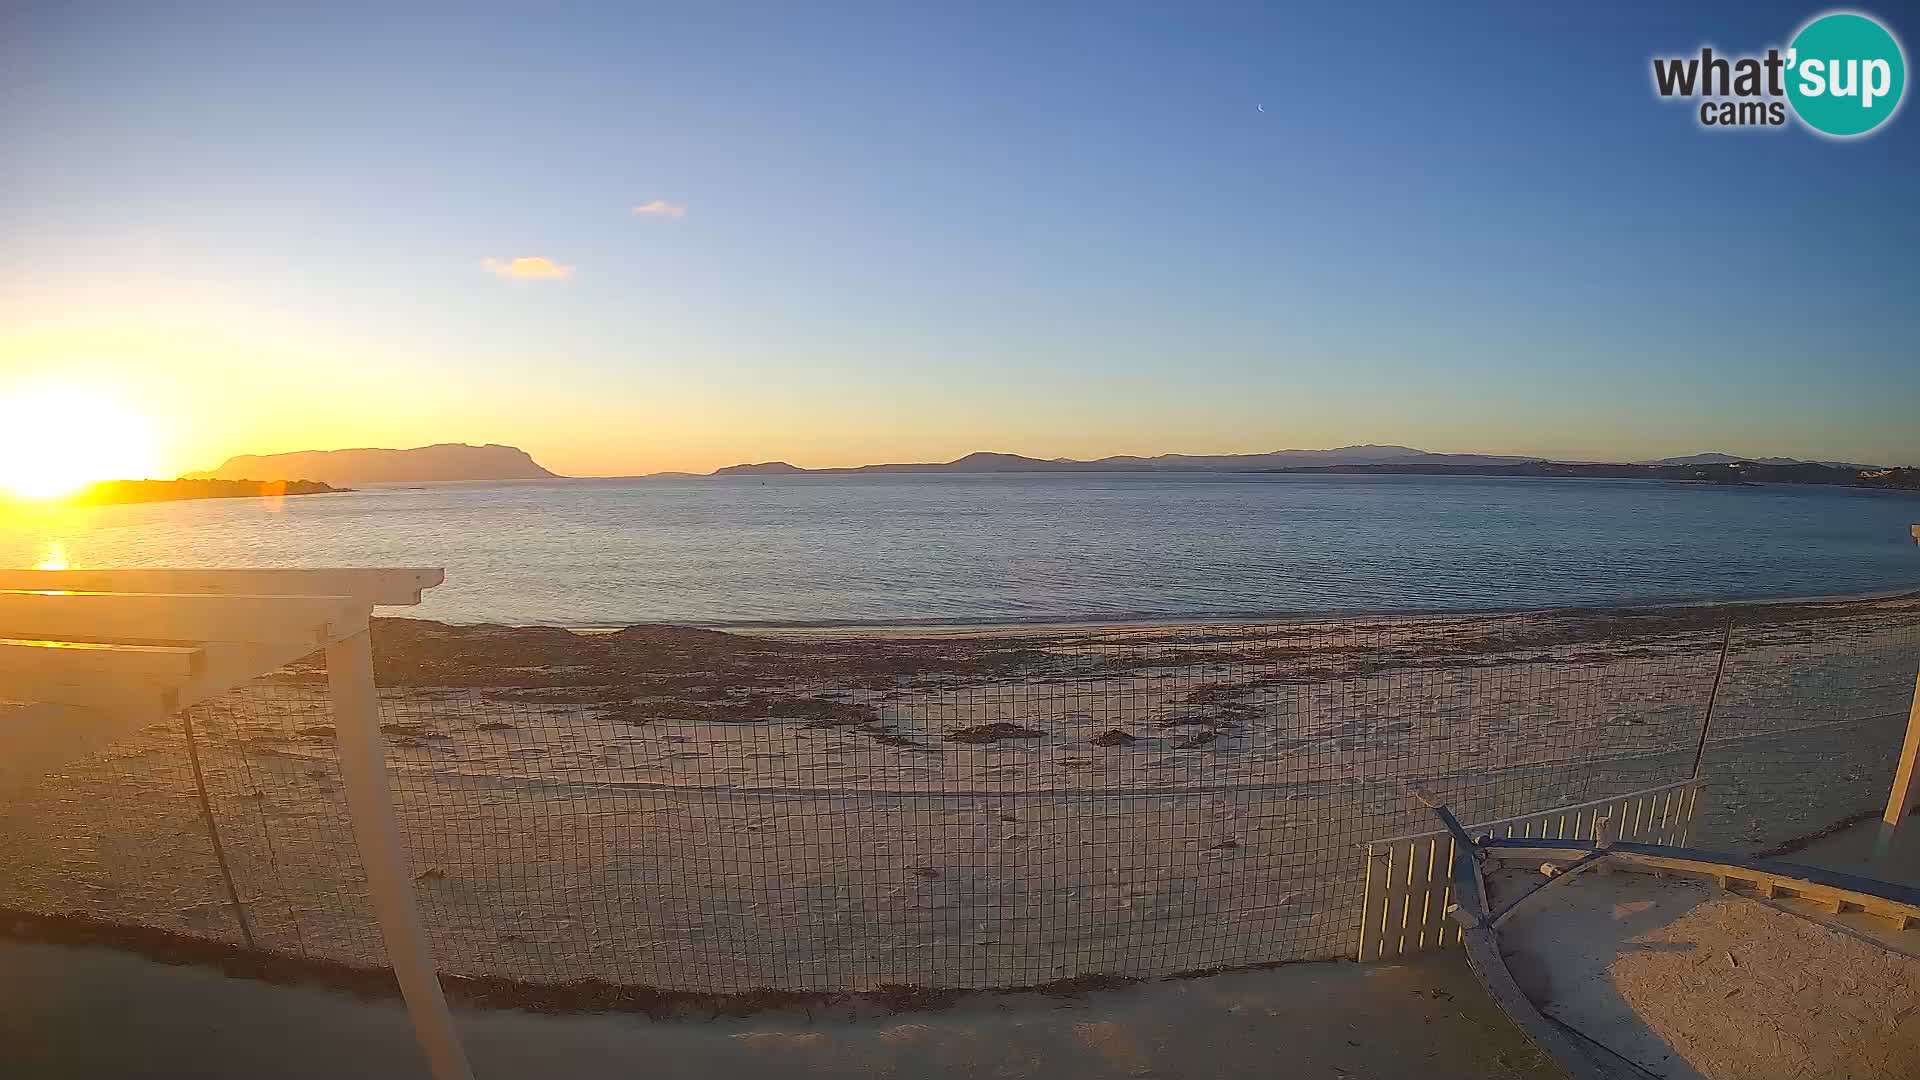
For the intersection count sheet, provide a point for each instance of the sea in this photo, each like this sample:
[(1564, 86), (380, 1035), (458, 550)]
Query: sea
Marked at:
[(940, 549)]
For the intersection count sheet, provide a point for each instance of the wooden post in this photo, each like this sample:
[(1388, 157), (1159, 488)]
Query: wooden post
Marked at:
[(1906, 781), (363, 767), (1906, 778)]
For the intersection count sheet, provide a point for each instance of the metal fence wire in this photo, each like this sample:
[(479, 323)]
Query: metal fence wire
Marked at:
[(830, 811)]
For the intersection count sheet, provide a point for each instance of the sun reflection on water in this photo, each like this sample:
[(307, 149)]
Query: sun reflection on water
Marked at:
[(54, 559)]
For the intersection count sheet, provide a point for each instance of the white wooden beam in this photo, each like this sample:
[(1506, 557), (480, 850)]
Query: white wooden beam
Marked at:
[(1783, 881), (232, 664), (379, 587), (1906, 775), (178, 617), (91, 660), (94, 714), (376, 831)]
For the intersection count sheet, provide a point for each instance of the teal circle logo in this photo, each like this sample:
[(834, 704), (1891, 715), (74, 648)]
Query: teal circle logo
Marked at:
[(1845, 74)]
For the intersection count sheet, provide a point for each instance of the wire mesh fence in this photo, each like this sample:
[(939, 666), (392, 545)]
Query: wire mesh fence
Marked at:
[(832, 811), (1809, 723)]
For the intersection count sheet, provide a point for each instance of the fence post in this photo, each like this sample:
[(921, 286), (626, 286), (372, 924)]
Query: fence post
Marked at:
[(363, 767), (1713, 697)]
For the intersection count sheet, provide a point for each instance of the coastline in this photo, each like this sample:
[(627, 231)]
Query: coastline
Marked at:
[(1149, 622), (138, 492)]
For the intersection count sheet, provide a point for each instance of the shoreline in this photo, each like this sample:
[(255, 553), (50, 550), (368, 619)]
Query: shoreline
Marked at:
[(1148, 622)]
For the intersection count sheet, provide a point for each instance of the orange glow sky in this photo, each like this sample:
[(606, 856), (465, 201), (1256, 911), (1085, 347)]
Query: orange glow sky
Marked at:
[(217, 381)]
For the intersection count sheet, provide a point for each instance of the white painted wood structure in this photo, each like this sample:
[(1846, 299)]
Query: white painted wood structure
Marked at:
[(94, 655), (1906, 776), (1905, 793)]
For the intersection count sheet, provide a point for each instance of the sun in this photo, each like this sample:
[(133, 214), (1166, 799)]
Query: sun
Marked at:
[(56, 439)]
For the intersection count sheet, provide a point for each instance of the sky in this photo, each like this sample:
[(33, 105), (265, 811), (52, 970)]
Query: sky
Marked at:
[(632, 238)]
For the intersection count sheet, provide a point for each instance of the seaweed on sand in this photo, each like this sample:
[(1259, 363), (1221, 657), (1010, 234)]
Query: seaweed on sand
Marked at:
[(994, 732)]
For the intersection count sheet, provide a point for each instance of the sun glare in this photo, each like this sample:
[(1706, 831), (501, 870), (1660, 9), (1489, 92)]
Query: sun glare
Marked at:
[(55, 558), (55, 440)]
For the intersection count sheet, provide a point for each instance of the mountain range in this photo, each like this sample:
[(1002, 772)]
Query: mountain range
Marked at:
[(1730, 459), (985, 462), (458, 461), (1740, 473), (1367, 455)]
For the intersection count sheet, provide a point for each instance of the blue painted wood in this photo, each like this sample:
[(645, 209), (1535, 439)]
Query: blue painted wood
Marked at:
[(1482, 946), (1453, 825), (1812, 875), (1469, 891)]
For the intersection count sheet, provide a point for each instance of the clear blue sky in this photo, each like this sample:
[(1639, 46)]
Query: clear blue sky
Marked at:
[(911, 231)]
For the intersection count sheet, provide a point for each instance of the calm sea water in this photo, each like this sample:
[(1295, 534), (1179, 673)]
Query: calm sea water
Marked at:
[(902, 549)]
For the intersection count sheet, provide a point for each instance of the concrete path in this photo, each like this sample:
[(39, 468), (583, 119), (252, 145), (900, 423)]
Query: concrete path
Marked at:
[(90, 1012)]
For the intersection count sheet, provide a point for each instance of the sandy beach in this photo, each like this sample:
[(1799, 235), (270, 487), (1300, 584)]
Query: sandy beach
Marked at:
[(837, 810)]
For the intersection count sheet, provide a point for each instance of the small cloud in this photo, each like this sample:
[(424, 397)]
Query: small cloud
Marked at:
[(659, 208), (528, 266)]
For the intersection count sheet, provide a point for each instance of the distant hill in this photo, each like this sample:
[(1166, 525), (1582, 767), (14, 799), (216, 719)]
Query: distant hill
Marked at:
[(1729, 459), (764, 468), (422, 464), (984, 462)]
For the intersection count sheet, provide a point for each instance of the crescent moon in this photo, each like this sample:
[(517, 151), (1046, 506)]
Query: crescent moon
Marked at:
[(1262, 108)]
